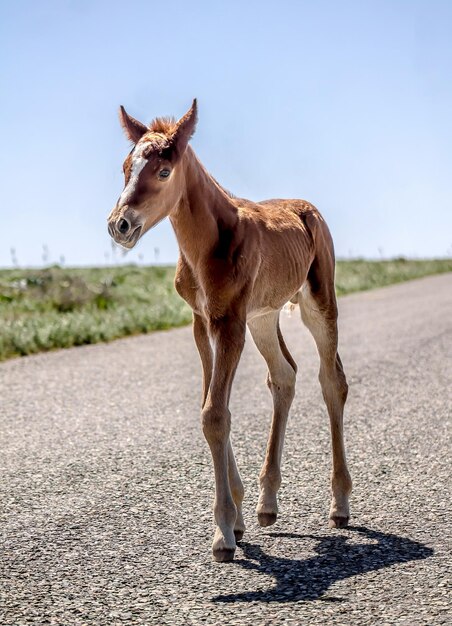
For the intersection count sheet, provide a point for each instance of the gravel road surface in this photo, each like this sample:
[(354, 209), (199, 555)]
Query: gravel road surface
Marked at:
[(107, 486)]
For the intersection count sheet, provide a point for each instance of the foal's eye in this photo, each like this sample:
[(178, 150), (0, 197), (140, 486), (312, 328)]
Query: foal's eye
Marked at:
[(164, 173)]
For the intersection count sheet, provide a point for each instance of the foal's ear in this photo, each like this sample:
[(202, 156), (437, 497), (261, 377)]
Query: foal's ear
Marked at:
[(185, 128), (133, 129)]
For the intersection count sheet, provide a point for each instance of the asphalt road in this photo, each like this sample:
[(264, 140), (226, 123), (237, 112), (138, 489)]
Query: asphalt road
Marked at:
[(107, 486)]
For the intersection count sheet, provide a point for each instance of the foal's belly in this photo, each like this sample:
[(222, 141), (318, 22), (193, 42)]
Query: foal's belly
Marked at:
[(271, 292), (265, 300), (258, 312)]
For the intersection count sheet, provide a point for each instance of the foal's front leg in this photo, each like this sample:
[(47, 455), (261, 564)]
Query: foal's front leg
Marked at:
[(235, 482), (228, 338)]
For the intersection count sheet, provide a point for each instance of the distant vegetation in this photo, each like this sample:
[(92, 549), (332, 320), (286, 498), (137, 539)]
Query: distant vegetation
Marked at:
[(58, 308), (361, 275)]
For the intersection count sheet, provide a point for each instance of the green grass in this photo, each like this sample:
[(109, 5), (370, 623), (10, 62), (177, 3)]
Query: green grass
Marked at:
[(59, 308), (361, 275)]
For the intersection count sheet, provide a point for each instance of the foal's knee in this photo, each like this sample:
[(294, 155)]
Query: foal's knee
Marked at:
[(216, 424)]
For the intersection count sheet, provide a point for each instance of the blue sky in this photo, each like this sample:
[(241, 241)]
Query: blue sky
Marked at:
[(347, 104)]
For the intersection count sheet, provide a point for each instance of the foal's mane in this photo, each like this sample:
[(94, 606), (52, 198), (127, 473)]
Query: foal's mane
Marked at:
[(164, 125), (226, 191)]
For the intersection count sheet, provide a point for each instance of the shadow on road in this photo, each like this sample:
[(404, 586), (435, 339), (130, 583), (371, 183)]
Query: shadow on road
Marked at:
[(336, 559)]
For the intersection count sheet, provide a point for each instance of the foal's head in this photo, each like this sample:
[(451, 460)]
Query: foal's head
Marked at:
[(153, 176)]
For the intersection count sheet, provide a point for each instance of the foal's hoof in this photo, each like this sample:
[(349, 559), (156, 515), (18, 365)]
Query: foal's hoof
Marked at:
[(223, 555), (238, 535), (336, 521), (266, 519)]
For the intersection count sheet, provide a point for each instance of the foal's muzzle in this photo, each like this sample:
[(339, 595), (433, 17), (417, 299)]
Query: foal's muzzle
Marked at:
[(124, 231)]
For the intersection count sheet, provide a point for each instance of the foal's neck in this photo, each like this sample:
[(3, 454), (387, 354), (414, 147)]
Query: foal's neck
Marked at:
[(203, 208)]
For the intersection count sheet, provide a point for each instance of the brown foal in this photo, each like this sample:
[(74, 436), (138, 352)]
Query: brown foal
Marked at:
[(240, 262)]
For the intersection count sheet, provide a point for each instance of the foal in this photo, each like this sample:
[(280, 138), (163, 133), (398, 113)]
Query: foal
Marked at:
[(240, 262)]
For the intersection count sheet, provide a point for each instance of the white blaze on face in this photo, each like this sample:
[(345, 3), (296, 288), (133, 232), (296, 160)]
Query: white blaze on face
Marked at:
[(138, 163)]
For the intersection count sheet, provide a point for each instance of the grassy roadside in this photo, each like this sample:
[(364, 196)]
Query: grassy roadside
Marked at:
[(361, 275), (59, 308)]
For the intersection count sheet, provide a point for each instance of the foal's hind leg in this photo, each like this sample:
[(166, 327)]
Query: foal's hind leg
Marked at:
[(319, 313), (281, 382)]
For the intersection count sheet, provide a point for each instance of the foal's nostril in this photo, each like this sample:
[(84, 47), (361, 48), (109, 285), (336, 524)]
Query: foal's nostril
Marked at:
[(123, 226)]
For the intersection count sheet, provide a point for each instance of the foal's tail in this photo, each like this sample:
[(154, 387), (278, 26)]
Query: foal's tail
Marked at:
[(284, 349)]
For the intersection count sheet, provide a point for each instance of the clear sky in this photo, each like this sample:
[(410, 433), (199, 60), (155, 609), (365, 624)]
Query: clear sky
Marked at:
[(345, 103)]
